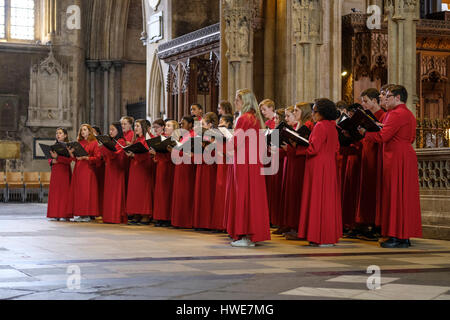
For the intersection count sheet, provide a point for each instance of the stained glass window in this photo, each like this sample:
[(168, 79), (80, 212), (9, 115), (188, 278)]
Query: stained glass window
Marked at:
[(2, 19), (22, 19)]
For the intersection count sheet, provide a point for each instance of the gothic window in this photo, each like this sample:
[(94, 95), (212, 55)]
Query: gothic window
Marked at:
[(17, 20)]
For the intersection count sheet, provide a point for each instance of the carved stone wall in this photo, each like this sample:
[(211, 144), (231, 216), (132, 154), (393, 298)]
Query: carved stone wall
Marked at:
[(434, 179), (240, 18)]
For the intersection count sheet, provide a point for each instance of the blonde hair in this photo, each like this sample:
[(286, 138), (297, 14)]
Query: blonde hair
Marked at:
[(250, 105), (306, 109), (289, 109), (268, 103)]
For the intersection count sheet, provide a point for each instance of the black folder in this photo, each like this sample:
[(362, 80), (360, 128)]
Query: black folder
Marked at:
[(197, 140), (286, 135), (79, 151), (107, 142), (359, 119), (137, 148), (269, 132), (160, 145), (59, 148)]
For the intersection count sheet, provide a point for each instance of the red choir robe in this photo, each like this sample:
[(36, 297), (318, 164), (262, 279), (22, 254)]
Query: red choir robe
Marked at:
[(271, 124), (352, 184), (59, 189), (129, 135), (275, 191), (114, 199), (183, 193), (320, 213), (293, 182), (367, 204), (400, 207), (165, 170), (219, 208), (84, 200), (230, 195), (204, 194), (100, 172), (140, 181), (341, 167), (251, 213)]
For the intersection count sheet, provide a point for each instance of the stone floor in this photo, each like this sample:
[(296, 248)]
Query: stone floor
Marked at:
[(40, 260)]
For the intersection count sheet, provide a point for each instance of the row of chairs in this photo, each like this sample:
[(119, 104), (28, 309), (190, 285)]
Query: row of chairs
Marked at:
[(23, 184)]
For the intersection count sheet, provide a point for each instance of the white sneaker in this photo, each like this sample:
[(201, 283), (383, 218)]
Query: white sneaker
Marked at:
[(325, 245), (243, 243), (81, 219)]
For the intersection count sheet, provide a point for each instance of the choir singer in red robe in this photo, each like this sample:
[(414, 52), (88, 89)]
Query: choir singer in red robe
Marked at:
[(114, 199), (400, 207), (249, 221), (59, 190), (320, 214), (84, 201)]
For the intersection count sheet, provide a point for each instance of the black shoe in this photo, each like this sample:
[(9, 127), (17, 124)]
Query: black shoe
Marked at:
[(352, 234), (368, 236), (395, 243), (133, 223), (158, 224)]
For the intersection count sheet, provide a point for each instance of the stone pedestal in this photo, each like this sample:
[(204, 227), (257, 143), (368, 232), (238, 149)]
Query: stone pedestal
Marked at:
[(434, 166)]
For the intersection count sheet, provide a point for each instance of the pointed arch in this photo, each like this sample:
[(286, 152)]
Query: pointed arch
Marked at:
[(156, 90)]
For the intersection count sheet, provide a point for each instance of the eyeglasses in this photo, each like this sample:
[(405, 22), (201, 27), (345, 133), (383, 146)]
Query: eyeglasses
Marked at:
[(389, 95)]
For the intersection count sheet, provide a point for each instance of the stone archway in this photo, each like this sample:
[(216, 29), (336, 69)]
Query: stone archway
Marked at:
[(156, 93)]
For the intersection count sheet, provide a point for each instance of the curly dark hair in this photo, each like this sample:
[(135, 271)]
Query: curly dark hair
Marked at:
[(327, 109)]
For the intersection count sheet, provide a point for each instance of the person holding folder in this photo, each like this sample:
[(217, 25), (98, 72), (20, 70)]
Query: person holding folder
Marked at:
[(274, 186), (127, 128), (114, 199), (218, 218), (367, 204), (140, 180), (294, 172), (165, 170), (184, 183), (249, 222), (205, 182), (84, 202), (400, 205), (59, 189), (320, 207)]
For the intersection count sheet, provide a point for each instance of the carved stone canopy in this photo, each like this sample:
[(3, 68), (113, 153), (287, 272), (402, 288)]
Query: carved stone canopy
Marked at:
[(50, 101)]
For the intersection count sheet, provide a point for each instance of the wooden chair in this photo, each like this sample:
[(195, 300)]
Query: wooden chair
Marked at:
[(14, 182), (31, 182), (45, 183), (3, 187)]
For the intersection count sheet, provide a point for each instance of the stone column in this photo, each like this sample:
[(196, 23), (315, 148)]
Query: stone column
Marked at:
[(402, 16), (307, 36), (239, 17), (92, 66), (270, 33), (118, 110), (105, 65)]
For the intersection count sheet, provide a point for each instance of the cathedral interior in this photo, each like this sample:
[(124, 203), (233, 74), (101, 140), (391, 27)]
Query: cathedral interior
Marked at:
[(64, 63)]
